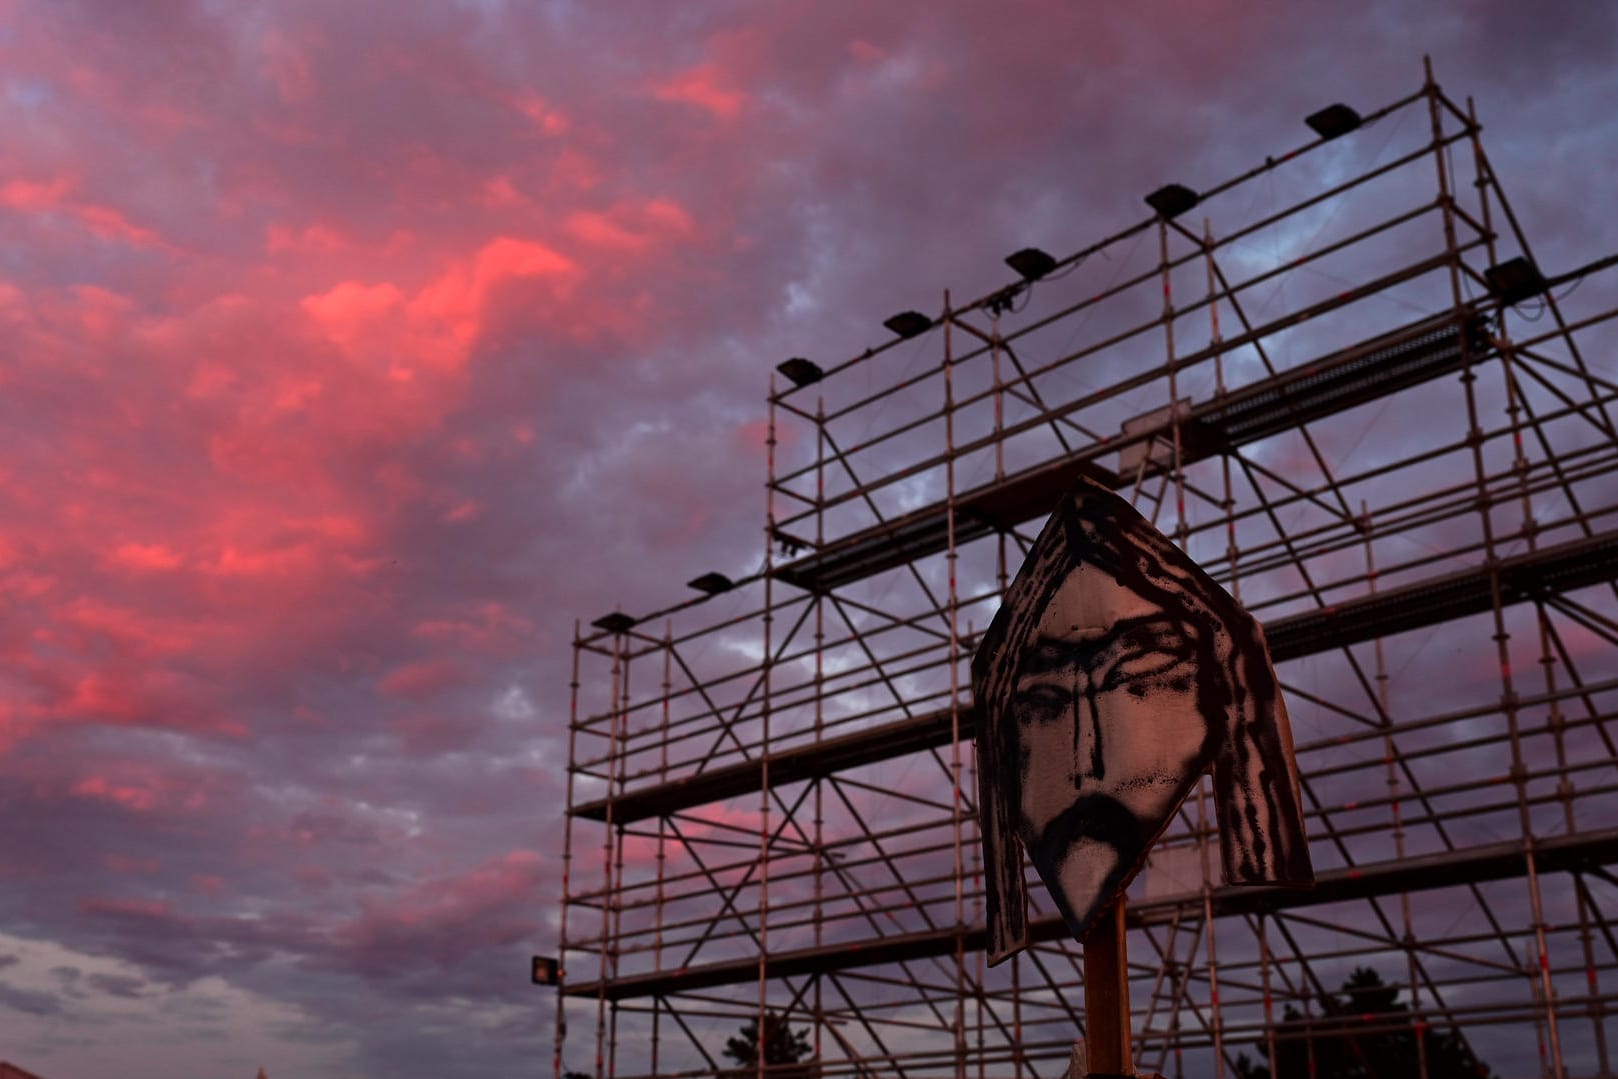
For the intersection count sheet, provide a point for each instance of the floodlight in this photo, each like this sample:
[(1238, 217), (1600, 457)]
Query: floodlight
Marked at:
[(909, 323), (800, 371), (1031, 263), (1333, 121), (711, 583), (616, 622), (1172, 200), (1514, 280)]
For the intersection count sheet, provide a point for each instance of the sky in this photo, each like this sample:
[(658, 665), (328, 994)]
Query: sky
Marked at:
[(349, 353)]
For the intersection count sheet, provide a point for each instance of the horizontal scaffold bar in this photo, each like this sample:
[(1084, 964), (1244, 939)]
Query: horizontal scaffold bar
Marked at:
[(1494, 861), (1353, 376), (1549, 570)]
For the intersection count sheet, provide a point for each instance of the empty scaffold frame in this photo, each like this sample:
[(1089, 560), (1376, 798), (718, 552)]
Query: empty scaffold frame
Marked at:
[(1345, 385)]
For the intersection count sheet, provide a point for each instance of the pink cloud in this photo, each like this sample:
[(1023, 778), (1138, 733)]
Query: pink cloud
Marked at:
[(422, 678), (137, 909), (630, 228), (110, 224), (124, 865), (702, 87), (442, 921), (131, 631), (437, 327), (864, 51), (352, 313), (489, 627), (137, 799), (121, 696), (500, 191), (104, 222), (546, 117), (34, 196), (144, 788), (146, 557), (287, 64), (209, 884), (318, 239)]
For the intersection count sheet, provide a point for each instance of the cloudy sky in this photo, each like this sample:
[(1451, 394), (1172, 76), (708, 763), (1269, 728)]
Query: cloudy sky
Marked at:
[(350, 351)]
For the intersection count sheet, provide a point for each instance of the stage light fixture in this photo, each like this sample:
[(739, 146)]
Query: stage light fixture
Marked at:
[(1171, 200), (1333, 121), (1031, 263), (1514, 280), (711, 583), (616, 622), (801, 372), (909, 323)]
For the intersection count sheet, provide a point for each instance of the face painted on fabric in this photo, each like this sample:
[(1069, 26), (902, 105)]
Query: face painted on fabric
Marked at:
[(1108, 732)]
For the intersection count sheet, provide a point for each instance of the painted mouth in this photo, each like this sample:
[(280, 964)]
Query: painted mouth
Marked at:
[(1102, 819)]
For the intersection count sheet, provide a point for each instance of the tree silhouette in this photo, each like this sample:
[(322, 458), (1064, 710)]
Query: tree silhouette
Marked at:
[(1365, 1033), (782, 1045)]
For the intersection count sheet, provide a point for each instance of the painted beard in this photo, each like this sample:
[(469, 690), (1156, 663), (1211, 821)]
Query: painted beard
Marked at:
[(1099, 819)]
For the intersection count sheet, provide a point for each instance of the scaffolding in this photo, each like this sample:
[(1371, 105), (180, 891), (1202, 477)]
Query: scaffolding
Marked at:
[(1344, 384)]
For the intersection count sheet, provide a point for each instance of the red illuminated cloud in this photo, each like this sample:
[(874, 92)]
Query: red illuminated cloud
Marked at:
[(48, 197), (422, 678), (704, 88), (437, 326)]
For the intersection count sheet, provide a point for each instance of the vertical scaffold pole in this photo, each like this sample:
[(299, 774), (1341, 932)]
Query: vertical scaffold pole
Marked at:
[(1408, 941), (1174, 401), (608, 945), (1203, 828), (1000, 586), (1216, 1022), (820, 687), (951, 603), (662, 831), (1530, 528), (764, 741), (1508, 696), (621, 751), (567, 853)]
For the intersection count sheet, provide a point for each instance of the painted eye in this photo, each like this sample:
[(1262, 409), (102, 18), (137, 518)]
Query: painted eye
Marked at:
[(1041, 704)]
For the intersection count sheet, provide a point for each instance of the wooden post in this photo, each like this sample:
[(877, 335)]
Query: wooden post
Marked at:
[(1106, 996)]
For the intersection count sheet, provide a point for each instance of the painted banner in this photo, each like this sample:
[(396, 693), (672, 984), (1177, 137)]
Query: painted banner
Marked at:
[(1115, 675)]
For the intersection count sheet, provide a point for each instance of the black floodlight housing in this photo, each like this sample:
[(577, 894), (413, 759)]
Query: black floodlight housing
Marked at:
[(800, 371), (1031, 263), (909, 323), (711, 583), (1333, 121), (616, 622), (546, 971), (1172, 200), (1514, 280)]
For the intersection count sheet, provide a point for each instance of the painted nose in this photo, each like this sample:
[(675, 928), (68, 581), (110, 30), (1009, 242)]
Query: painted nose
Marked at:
[(1088, 762)]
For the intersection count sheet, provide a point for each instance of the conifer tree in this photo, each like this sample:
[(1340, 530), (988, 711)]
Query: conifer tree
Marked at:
[(1363, 1032), (782, 1045)]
